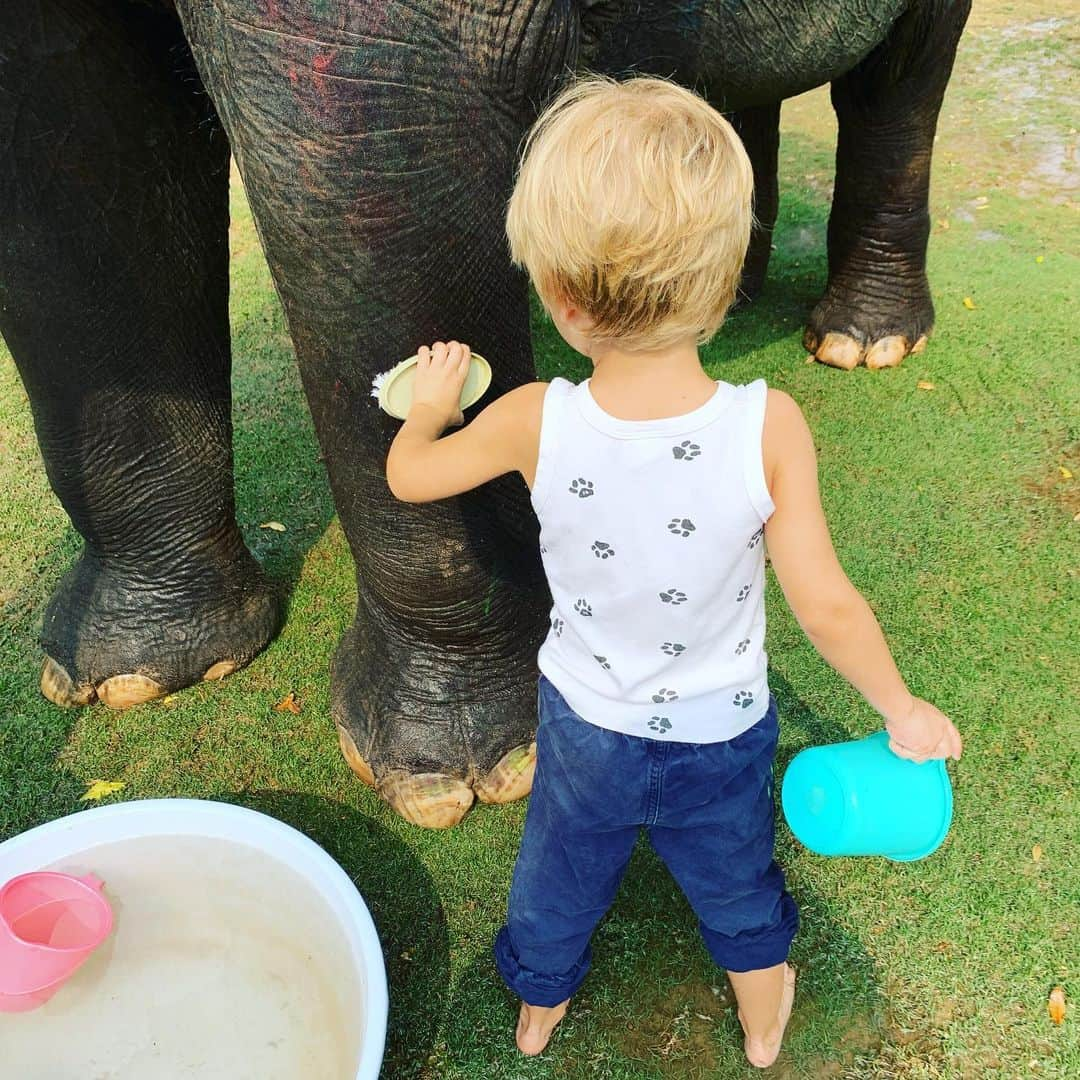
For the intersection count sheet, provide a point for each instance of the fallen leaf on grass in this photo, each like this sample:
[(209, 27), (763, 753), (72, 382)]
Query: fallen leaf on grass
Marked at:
[(1036, 853), (969, 303), (943, 224), (289, 703), (1066, 474), (1056, 1005), (275, 525), (98, 789), (922, 384)]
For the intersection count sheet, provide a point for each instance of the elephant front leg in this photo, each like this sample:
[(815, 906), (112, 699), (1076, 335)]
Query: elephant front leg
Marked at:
[(377, 160), (877, 306), (114, 303), (434, 685)]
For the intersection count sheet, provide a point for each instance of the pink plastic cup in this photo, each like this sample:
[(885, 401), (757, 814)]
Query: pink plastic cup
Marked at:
[(49, 924)]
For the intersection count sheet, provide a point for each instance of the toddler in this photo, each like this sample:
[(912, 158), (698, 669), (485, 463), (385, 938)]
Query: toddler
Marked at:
[(657, 490)]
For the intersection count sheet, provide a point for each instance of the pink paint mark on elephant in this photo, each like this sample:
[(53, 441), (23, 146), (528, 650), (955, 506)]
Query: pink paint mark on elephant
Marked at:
[(327, 91), (294, 78)]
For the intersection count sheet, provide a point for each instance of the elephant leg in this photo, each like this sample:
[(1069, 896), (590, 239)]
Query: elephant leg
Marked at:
[(377, 146), (759, 129), (114, 303), (877, 307)]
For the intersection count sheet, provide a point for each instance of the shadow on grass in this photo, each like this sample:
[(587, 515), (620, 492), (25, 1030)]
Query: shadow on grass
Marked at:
[(816, 730), (33, 731), (404, 902)]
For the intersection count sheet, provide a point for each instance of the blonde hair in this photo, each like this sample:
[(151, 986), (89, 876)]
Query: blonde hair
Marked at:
[(633, 203)]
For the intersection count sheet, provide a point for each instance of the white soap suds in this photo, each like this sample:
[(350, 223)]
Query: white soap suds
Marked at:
[(376, 383)]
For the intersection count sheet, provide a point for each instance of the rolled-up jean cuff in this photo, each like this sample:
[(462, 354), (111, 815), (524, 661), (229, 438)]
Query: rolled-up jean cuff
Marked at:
[(754, 950), (534, 987)]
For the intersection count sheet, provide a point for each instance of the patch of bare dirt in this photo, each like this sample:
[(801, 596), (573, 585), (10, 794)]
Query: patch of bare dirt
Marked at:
[(679, 1025), (1009, 114), (1059, 479), (1009, 117), (861, 1037), (1020, 16)]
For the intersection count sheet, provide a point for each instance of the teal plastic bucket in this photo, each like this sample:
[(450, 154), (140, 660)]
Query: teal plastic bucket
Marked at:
[(859, 798)]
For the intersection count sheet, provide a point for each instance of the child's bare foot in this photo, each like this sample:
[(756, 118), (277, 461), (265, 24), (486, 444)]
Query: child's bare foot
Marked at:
[(535, 1025), (764, 1051)]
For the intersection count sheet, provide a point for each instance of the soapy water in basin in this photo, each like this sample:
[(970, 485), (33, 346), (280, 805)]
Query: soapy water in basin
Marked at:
[(223, 963)]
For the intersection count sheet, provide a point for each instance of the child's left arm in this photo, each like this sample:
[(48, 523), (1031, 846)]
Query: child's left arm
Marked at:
[(830, 610), (505, 437)]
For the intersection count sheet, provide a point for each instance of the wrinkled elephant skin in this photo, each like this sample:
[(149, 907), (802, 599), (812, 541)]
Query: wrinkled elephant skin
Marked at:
[(376, 140)]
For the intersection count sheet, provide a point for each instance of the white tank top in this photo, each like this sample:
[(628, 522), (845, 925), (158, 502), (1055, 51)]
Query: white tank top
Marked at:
[(651, 538)]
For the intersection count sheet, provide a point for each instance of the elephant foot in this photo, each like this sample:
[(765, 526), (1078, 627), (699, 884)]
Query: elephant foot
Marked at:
[(511, 778), (848, 328), (436, 801), (428, 737), (124, 640)]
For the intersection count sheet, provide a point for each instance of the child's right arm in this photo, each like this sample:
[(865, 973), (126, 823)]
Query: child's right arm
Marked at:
[(828, 607)]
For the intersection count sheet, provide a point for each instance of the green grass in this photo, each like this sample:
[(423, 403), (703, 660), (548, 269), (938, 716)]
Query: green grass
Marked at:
[(950, 512)]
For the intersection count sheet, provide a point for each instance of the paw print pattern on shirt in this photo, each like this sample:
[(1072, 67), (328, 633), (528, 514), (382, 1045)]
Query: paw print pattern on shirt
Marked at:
[(681, 526), (742, 646), (744, 592), (602, 661), (755, 539), (602, 550), (660, 723), (581, 606), (686, 451), (557, 625), (664, 695), (743, 699), (673, 596), (673, 648), (582, 488)]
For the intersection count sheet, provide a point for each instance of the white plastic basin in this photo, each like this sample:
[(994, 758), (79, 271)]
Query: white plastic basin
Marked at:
[(240, 948)]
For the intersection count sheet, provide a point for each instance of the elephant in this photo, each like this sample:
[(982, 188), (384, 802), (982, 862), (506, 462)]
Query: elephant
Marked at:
[(376, 140)]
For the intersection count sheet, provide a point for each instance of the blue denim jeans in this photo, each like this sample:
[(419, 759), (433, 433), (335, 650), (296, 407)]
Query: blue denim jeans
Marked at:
[(708, 809)]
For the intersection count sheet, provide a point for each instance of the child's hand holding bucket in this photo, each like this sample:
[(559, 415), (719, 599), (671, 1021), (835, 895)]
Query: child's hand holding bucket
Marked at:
[(923, 733), (861, 798)]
